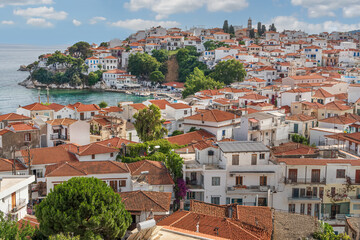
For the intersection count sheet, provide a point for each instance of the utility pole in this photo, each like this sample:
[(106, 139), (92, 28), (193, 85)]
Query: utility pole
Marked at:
[(29, 162)]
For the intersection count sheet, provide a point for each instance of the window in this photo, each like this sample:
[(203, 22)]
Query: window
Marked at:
[(302, 208), (93, 156), (253, 159), (262, 156), (263, 180), (215, 200), (27, 137), (291, 208), (340, 173), (356, 206), (239, 181), (235, 159), (215, 181)]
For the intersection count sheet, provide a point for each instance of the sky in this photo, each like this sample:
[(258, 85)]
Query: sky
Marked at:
[(53, 22)]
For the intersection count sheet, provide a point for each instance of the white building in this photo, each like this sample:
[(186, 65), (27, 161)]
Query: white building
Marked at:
[(14, 195)]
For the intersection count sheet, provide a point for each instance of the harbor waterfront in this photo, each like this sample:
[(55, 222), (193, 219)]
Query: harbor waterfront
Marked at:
[(12, 95)]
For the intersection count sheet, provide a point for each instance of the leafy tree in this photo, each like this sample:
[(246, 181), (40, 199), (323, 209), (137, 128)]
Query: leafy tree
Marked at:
[(62, 236), (148, 124), (177, 132), (228, 72), (157, 77), (161, 55), (326, 232), (197, 81), (226, 26), (192, 129), (299, 139), (231, 29), (85, 207), (103, 104), (142, 64), (187, 59), (104, 44), (10, 229), (43, 76), (174, 163), (80, 50), (272, 27)]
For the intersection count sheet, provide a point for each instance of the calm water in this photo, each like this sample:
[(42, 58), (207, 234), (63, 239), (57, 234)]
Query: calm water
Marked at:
[(12, 95)]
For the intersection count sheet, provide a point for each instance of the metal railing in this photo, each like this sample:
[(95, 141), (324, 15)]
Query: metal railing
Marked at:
[(305, 180), (21, 203)]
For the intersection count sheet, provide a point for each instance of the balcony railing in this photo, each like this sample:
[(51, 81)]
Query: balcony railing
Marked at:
[(252, 188), (58, 137), (305, 181), (21, 203)]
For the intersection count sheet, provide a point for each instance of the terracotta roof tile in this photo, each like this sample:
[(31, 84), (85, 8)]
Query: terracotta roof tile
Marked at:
[(146, 201)]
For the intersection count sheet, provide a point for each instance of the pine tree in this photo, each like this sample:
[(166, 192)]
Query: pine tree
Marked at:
[(226, 26), (231, 29), (259, 29), (263, 29)]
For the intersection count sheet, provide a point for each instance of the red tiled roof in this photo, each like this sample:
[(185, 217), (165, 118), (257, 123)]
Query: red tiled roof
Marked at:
[(300, 117), (85, 168), (213, 116), (80, 107), (40, 156), (13, 116), (161, 103), (146, 201), (191, 137), (36, 107), (321, 93), (179, 105)]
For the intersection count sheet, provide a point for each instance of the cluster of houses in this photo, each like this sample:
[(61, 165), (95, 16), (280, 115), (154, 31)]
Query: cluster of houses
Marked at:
[(287, 138)]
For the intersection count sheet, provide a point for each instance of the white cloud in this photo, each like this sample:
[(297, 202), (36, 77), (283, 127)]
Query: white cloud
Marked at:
[(43, 12), (327, 8), (5, 22), (95, 20), (292, 23), (39, 22), (3, 3), (138, 24), (76, 22), (164, 8)]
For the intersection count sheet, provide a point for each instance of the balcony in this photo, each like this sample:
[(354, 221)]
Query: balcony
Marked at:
[(237, 189), (305, 198), (21, 203), (305, 181), (254, 128), (56, 136)]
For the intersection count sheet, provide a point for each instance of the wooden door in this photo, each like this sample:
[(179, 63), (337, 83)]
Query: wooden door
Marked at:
[(315, 175), (357, 176), (293, 175), (13, 200)]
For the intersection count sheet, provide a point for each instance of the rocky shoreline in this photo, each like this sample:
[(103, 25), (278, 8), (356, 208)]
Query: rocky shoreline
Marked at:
[(31, 84)]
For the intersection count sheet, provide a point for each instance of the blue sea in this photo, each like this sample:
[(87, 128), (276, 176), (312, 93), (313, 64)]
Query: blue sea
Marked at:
[(12, 95)]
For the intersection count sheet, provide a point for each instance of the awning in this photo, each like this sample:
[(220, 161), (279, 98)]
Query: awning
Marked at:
[(253, 120)]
